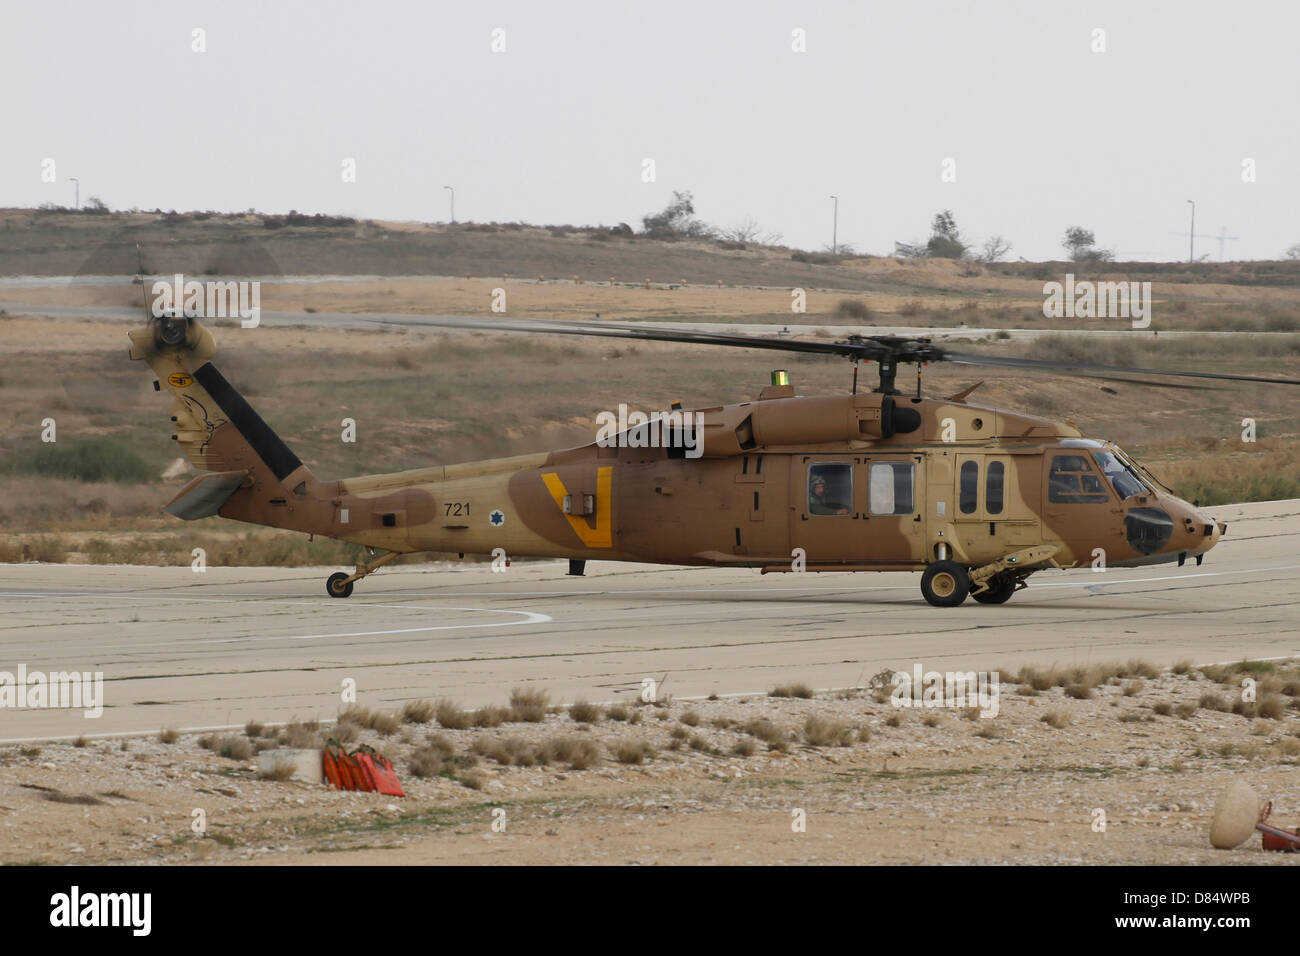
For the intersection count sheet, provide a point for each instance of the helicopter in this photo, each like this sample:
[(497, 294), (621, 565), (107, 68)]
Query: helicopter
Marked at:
[(975, 498)]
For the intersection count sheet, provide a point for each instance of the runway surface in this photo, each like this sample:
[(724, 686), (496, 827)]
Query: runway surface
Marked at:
[(188, 650)]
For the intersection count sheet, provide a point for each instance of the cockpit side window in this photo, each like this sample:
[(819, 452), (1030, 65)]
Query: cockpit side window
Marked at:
[(1122, 478), (830, 488), (1072, 480)]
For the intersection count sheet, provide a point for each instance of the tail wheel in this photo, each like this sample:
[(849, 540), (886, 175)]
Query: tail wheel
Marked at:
[(999, 592), (945, 584), (338, 585)]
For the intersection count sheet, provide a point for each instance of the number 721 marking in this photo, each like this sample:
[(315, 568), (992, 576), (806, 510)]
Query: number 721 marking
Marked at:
[(456, 508)]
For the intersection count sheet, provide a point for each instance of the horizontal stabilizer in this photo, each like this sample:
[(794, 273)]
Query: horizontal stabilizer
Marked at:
[(204, 496)]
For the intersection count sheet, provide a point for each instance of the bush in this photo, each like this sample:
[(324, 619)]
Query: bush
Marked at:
[(529, 706), (853, 309), (86, 459)]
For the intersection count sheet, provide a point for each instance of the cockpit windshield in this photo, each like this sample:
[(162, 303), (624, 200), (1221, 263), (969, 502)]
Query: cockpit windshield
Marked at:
[(1121, 475)]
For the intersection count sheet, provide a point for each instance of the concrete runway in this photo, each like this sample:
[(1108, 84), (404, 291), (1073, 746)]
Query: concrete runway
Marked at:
[(180, 649)]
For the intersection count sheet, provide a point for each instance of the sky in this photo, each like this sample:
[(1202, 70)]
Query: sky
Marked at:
[(1023, 118)]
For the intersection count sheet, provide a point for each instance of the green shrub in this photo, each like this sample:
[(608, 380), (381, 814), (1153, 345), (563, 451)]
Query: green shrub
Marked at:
[(86, 459)]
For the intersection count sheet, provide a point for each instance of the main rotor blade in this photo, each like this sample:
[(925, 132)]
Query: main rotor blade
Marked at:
[(1002, 361), (630, 332), (870, 348)]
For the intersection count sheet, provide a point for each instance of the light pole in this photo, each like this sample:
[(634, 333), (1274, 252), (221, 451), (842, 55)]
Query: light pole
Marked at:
[(1191, 236), (76, 191), (453, 203), (835, 227)]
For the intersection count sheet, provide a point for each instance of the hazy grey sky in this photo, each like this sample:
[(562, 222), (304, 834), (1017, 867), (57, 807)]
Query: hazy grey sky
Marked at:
[(1045, 133)]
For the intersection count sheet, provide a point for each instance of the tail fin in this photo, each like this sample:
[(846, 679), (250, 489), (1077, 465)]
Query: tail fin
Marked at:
[(212, 422)]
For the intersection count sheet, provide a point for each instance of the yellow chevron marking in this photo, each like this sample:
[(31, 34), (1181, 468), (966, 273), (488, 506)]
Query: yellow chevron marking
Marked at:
[(600, 536)]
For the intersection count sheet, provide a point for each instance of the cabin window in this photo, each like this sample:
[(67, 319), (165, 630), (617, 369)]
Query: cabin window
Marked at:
[(1072, 480), (890, 490), (994, 482), (830, 488), (970, 476)]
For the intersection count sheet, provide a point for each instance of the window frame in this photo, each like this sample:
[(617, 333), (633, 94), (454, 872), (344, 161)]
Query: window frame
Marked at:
[(988, 487), (974, 489), (893, 465), (1079, 497), (808, 476)]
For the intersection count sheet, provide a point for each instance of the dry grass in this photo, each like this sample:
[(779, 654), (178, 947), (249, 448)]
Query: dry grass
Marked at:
[(768, 732), (585, 713), (745, 747), (451, 716), (827, 732), (529, 705), (579, 753), (1186, 710), (801, 691), (1055, 719), (617, 712), (491, 716), (632, 751), (690, 718), (1215, 702), (894, 720), (1133, 687), (1272, 707), (280, 768), (227, 745), (1078, 691), (345, 731), (417, 712), (302, 734), (254, 728), (426, 761), (169, 735), (385, 723)]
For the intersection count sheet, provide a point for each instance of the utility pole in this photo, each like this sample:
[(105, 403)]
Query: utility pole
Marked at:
[(835, 227), (76, 191), (1191, 236), (453, 204), (1224, 237)]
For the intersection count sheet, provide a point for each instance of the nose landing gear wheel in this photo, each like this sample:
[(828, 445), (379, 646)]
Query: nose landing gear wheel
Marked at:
[(336, 586), (945, 584), (999, 592)]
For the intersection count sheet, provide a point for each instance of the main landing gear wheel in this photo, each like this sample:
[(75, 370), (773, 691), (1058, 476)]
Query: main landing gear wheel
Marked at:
[(945, 584), (999, 592), (338, 585)]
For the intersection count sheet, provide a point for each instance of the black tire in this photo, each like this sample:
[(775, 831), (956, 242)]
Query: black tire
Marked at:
[(999, 592), (945, 584), (335, 587)]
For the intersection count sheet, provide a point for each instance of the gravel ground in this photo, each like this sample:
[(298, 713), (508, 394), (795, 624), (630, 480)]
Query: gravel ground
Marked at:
[(718, 781)]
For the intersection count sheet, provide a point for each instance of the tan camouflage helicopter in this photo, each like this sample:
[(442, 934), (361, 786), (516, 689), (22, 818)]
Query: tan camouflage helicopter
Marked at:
[(975, 498)]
